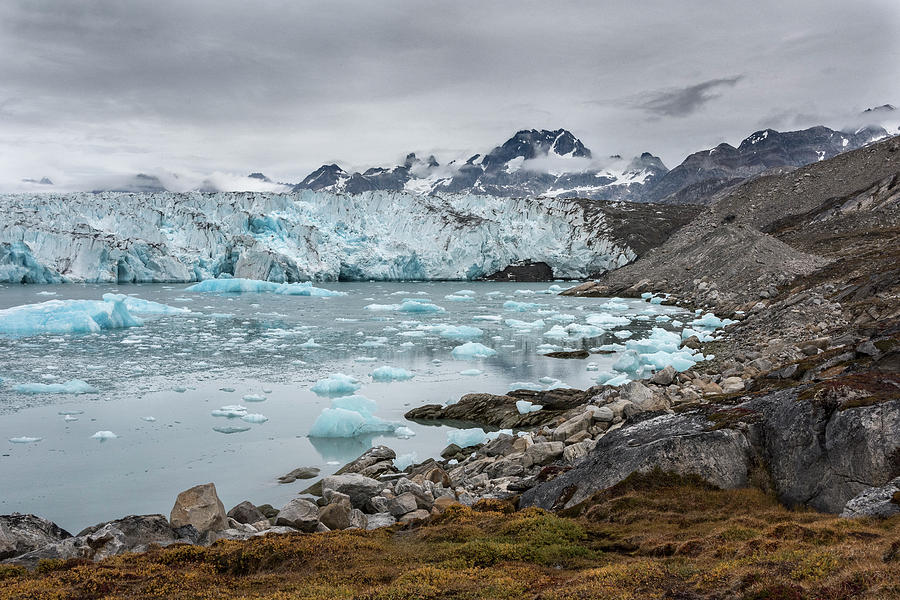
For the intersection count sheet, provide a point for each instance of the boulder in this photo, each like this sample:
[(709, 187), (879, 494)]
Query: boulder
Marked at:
[(416, 515), (880, 502), (373, 462), (730, 385), (300, 514), (381, 519), (335, 516), (246, 512), (359, 487), (402, 504), (358, 519), (134, 533), (23, 533), (578, 423), (664, 377), (438, 475), (199, 506), (638, 394), (299, 473), (543, 453)]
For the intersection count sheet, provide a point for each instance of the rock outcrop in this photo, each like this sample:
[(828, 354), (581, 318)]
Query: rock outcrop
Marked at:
[(201, 508)]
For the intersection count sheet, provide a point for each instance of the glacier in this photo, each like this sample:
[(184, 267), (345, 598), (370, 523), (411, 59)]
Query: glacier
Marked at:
[(303, 236)]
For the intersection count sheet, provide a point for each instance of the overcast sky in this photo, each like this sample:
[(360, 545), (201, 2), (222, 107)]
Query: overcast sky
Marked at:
[(94, 89)]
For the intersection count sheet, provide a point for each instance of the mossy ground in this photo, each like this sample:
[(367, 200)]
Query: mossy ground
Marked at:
[(656, 536)]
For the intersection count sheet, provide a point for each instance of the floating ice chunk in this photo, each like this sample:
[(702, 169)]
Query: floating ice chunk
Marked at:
[(464, 292), (662, 319), (709, 320), (233, 286), (680, 361), (226, 389), (471, 372), (619, 380), (413, 334), (524, 292), (337, 384), (522, 306), (647, 295), (548, 348), (104, 435), (379, 342), (659, 339), (591, 367), (381, 307), (559, 385), (493, 435), (603, 376), (46, 293), (548, 380), (524, 385), (309, 344), (472, 350), (25, 440), (70, 412), (147, 307), (524, 407), (255, 418), (623, 334), (656, 300), (254, 398), (556, 332), (578, 331), (220, 315), (387, 373), (488, 318), (343, 423), (231, 411), (561, 318), (403, 432), (466, 437), (419, 306), (356, 403), (148, 419), (607, 320), (229, 429), (74, 386), (615, 305), (405, 460), (703, 336), (458, 298), (66, 316), (306, 289), (494, 293), (69, 418), (454, 332), (525, 325), (365, 359), (628, 362)]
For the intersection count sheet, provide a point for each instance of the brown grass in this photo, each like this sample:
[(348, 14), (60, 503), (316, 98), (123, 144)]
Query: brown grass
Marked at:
[(652, 536)]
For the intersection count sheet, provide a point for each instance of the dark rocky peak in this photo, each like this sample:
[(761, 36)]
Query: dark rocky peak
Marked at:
[(533, 143), (413, 160), (472, 159), (140, 183), (259, 176), (647, 162), (324, 176), (41, 181), (884, 108)]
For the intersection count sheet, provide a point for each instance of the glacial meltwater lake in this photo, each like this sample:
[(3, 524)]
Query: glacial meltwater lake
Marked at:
[(180, 368)]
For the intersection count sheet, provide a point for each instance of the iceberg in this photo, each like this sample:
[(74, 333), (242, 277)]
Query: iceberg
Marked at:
[(24, 440), (255, 418), (472, 350), (337, 384), (65, 316), (235, 285), (73, 386), (515, 306), (310, 344), (230, 412), (343, 423), (607, 320), (488, 318), (466, 437), (524, 325), (454, 332), (104, 435), (306, 289), (145, 307), (471, 372), (458, 298), (711, 321), (356, 403), (229, 429), (254, 398), (414, 306), (405, 460), (524, 385), (387, 373), (524, 407)]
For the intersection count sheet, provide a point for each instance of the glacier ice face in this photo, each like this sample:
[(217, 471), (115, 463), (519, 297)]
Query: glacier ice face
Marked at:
[(73, 386), (319, 236), (65, 316)]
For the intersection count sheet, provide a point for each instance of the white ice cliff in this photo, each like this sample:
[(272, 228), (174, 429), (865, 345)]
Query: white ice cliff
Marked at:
[(169, 237)]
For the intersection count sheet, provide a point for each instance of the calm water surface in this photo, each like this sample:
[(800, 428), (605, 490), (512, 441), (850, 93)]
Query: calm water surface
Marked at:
[(180, 368)]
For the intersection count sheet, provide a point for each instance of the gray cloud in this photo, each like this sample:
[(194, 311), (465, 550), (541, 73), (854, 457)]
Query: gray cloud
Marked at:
[(98, 88), (684, 101)]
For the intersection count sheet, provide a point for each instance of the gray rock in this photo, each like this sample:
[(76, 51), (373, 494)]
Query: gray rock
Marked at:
[(377, 504), (416, 515), (23, 533), (578, 423), (638, 394), (664, 377), (299, 473), (335, 516), (358, 519), (300, 514), (402, 504), (373, 462), (381, 519), (134, 533), (246, 512), (199, 506), (544, 453), (359, 487), (880, 502), (603, 414)]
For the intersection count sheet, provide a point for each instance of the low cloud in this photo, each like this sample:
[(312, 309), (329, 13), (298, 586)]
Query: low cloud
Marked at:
[(684, 101)]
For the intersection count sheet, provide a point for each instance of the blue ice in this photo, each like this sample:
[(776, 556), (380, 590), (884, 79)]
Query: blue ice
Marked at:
[(66, 316), (387, 373), (472, 350), (73, 386)]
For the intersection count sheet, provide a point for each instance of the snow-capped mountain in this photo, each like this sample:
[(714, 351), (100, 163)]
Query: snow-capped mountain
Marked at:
[(109, 237), (530, 163)]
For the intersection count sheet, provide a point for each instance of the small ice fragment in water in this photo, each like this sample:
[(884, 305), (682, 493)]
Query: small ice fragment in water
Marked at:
[(232, 428), (310, 343), (254, 398), (337, 384), (405, 460), (524, 407), (466, 437), (74, 386), (231, 411), (25, 440), (255, 418), (387, 373), (472, 350), (471, 372), (104, 435), (148, 419)]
